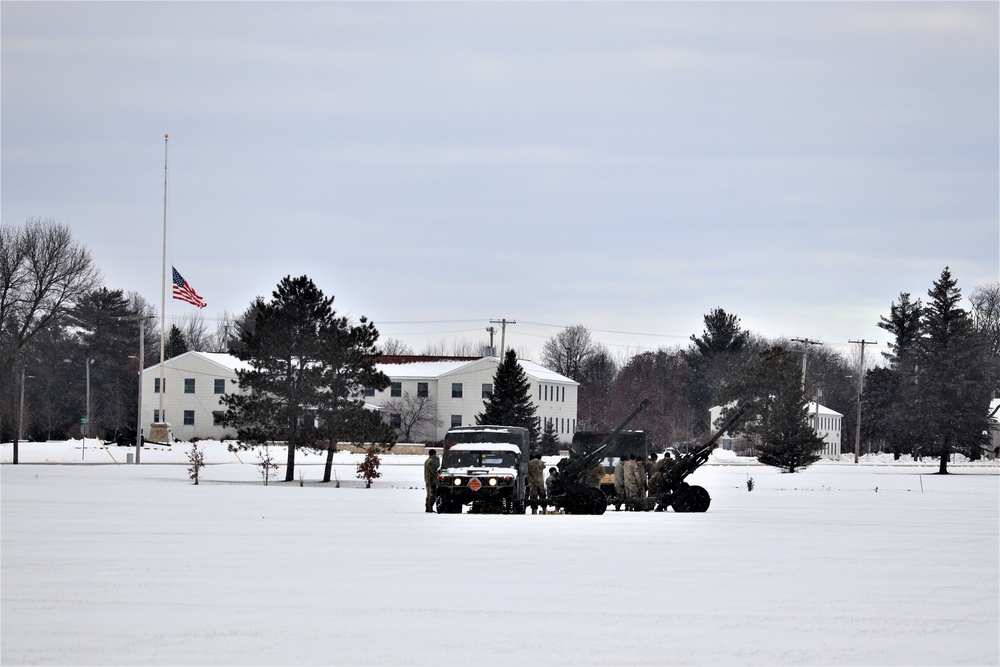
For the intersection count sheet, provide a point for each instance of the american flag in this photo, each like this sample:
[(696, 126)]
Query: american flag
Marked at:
[(184, 292)]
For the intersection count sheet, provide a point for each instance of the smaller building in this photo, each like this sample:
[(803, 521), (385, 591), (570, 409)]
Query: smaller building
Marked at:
[(192, 389), (825, 422)]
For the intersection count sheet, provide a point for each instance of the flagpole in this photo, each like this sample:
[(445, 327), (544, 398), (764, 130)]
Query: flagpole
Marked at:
[(163, 281)]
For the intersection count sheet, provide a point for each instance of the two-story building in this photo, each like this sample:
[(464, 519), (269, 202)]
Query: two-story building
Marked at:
[(194, 383), (458, 387), (825, 422), (190, 394)]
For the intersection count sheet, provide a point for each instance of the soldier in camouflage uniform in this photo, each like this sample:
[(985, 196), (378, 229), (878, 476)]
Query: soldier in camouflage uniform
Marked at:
[(536, 482), (431, 467)]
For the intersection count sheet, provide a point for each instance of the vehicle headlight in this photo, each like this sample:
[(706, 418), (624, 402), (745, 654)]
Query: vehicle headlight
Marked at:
[(493, 481), (458, 481)]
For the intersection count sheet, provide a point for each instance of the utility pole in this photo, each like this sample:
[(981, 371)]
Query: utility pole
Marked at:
[(142, 357), (492, 331), (503, 335), (861, 389), (806, 342)]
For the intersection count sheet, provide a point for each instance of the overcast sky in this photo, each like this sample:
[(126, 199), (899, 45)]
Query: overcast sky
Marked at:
[(625, 166)]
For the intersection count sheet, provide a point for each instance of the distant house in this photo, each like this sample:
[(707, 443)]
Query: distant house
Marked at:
[(825, 422), (194, 383), (193, 386), (459, 386)]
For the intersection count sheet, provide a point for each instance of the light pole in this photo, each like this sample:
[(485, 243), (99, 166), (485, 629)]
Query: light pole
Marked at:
[(20, 413), (86, 423)]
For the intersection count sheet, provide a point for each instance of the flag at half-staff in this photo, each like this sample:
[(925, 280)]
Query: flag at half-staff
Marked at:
[(184, 291)]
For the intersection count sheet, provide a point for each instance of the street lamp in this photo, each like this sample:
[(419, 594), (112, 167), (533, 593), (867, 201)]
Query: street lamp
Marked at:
[(86, 423), (20, 414)]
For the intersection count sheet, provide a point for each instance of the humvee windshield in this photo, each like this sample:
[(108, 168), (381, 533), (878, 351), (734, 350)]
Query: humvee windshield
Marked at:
[(480, 459), (484, 436)]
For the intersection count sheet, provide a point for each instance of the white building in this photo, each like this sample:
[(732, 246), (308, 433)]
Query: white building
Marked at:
[(459, 386), (825, 422), (193, 385)]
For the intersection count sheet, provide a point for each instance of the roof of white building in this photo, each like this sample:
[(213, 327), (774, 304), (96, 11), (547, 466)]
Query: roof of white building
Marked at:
[(227, 361), (414, 370), (410, 370)]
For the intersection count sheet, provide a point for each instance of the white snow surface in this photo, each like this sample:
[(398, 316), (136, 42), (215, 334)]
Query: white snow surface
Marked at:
[(841, 564)]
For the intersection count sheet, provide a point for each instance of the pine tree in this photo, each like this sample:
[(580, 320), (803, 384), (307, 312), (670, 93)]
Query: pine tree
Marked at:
[(548, 445), (953, 385), (779, 422), (308, 368), (510, 403)]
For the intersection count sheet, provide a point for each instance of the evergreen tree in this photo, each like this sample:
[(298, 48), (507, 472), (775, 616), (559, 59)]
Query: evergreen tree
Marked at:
[(779, 422), (109, 334), (892, 412), (510, 403), (308, 368), (176, 344), (548, 445), (953, 385), (716, 356), (789, 442)]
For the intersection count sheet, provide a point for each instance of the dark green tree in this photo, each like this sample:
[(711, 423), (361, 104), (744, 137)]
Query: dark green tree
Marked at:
[(789, 442), (778, 424), (715, 357), (548, 444), (308, 369), (954, 388), (176, 345), (892, 412), (109, 334), (510, 403)]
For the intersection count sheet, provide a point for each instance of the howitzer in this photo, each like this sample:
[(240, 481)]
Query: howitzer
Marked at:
[(673, 490), (571, 492)]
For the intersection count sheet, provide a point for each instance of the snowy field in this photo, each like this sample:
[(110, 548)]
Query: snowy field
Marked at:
[(838, 565)]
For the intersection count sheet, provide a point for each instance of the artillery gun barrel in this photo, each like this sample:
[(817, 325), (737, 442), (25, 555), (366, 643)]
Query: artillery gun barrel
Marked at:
[(574, 468)]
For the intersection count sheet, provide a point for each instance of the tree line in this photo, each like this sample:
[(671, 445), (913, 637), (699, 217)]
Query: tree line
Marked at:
[(931, 398)]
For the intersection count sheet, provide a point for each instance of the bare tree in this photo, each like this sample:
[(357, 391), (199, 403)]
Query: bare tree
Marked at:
[(225, 333), (566, 352), (394, 346), (43, 272), (417, 416), (985, 301), (195, 333)]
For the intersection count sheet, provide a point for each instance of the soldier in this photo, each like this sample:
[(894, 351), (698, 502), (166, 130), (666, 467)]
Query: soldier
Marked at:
[(594, 476), (536, 481), (431, 467), (552, 486), (634, 473), (620, 478), (653, 473)]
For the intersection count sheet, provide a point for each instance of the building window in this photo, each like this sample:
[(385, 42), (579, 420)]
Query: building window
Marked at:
[(156, 416), (456, 390), (487, 389), (220, 386), (396, 389), (456, 420), (217, 416), (395, 420), (422, 390), (156, 385), (188, 385), (369, 391), (189, 417)]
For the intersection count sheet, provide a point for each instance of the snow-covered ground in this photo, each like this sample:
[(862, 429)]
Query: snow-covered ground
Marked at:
[(875, 564)]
